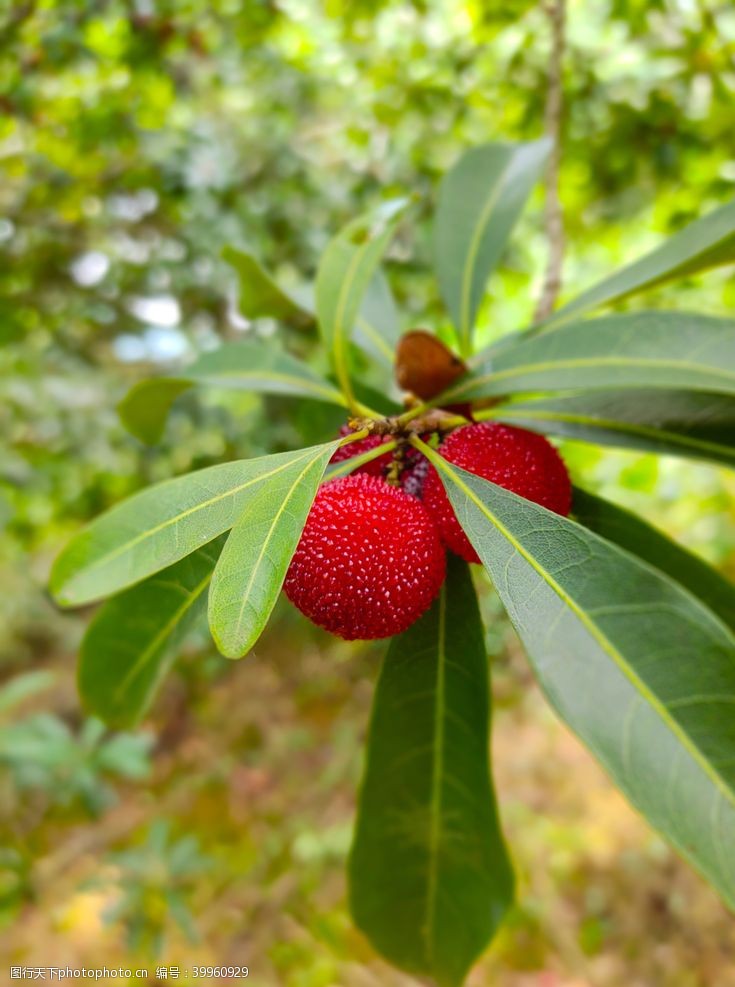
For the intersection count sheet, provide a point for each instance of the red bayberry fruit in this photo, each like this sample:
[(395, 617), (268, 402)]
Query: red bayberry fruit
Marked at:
[(521, 461), (369, 562), (376, 467)]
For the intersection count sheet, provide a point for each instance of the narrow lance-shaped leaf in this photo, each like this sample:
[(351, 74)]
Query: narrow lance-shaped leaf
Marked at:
[(480, 200), (158, 526), (695, 424), (642, 671), (133, 638), (430, 879), (253, 564), (261, 295), (641, 349), (378, 328), (706, 243), (345, 271), (242, 366), (632, 533)]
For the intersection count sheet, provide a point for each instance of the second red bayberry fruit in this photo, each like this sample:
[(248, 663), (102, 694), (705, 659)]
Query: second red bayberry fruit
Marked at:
[(521, 461), (375, 467), (369, 562)]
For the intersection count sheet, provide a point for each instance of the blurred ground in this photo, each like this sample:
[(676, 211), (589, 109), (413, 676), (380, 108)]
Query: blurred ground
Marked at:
[(260, 770)]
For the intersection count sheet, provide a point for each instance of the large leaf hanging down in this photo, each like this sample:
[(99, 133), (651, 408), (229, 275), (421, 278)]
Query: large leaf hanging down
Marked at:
[(160, 525), (695, 424), (706, 243), (133, 639), (244, 366), (253, 564), (640, 349), (637, 666), (261, 295), (345, 271), (429, 874), (630, 532), (480, 200)]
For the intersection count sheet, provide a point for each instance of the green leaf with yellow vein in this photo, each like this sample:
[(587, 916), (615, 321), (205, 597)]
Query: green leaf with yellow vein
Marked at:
[(378, 327), (706, 243), (253, 564), (261, 295), (160, 525), (133, 638), (480, 200), (632, 533), (695, 424), (240, 366), (345, 271), (641, 349), (430, 879), (639, 668)]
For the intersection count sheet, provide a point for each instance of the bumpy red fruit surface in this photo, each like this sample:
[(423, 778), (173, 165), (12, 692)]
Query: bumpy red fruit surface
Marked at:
[(376, 467), (521, 461), (369, 562)]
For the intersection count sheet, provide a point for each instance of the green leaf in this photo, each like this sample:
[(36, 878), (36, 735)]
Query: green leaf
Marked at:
[(250, 366), (158, 526), (642, 671), (640, 349), (239, 366), (430, 879), (261, 296), (133, 639), (253, 564), (630, 532), (706, 243), (480, 200), (695, 424), (345, 272), (378, 328), (145, 408)]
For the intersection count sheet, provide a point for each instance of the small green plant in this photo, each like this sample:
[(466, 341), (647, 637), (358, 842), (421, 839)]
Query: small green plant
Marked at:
[(154, 882), (629, 635), (42, 753)]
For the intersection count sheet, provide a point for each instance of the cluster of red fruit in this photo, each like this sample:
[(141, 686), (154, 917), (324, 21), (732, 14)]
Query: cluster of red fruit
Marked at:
[(371, 559)]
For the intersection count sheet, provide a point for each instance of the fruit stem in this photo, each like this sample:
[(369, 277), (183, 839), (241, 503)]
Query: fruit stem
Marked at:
[(431, 454), (434, 420), (355, 436)]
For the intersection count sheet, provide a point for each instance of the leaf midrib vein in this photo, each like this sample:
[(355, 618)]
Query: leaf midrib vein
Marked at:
[(268, 537), (167, 629), (339, 313), (597, 634), (646, 431), (370, 330), (306, 382), (473, 251), (139, 539), (435, 804), (578, 362)]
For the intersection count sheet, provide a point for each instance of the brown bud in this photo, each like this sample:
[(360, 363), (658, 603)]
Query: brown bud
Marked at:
[(425, 366)]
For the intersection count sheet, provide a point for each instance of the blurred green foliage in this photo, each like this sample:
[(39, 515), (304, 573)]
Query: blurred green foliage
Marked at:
[(138, 139)]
